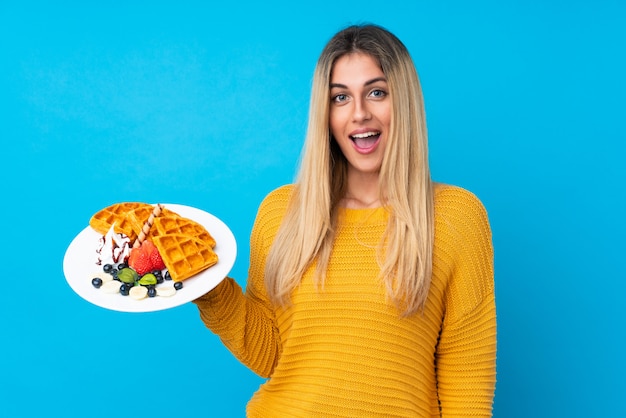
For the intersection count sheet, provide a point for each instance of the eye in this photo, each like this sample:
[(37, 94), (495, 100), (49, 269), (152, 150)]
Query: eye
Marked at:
[(339, 98), (378, 93)]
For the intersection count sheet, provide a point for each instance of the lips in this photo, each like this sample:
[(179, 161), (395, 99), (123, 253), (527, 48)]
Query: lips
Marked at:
[(365, 141)]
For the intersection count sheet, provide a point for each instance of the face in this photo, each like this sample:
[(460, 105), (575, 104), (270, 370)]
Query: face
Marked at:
[(360, 112)]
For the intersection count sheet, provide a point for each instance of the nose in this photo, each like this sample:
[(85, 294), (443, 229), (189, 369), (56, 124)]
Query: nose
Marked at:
[(361, 111)]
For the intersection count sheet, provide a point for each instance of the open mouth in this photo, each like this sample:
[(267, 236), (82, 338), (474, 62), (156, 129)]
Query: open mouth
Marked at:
[(365, 140)]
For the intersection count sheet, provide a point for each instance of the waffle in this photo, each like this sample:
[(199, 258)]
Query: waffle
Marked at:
[(177, 225), (183, 255), (186, 247), (117, 214), (138, 216)]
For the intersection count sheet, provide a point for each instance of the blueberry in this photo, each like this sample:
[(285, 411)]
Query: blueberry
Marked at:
[(152, 292), (167, 276), (96, 282), (122, 266), (178, 285), (125, 289), (107, 268)]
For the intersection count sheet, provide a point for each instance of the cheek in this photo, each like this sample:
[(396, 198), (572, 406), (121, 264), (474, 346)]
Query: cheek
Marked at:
[(386, 117), (334, 123)]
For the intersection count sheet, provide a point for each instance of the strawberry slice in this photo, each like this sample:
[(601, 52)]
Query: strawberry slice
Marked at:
[(145, 258), (157, 261), (139, 258)]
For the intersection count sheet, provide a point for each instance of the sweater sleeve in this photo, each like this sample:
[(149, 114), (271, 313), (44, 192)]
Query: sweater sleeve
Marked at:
[(466, 353), (245, 322)]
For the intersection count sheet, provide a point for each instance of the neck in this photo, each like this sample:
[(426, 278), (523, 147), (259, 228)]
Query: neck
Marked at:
[(356, 203), (362, 192)]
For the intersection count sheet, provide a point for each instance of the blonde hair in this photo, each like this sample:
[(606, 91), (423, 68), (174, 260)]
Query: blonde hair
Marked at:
[(307, 231)]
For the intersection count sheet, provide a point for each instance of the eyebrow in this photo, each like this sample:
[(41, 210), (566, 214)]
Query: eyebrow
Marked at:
[(367, 83)]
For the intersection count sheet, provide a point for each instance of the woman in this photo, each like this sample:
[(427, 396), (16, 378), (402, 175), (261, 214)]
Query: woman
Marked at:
[(370, 289)]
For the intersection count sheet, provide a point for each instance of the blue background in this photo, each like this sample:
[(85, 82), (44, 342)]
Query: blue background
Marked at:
[(206, 105)]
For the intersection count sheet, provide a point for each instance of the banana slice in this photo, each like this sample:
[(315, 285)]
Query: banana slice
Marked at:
[(105, 277), (165, 291), (112, 286), (138, 292)]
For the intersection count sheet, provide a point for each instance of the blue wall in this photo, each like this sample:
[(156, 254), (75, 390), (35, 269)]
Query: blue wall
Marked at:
[(206, 105)]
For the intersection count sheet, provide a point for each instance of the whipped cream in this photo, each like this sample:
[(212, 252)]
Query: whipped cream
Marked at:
[(113, 248)]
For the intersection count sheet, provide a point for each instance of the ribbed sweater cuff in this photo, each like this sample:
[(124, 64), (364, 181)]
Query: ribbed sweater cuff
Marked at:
[(215, 305)]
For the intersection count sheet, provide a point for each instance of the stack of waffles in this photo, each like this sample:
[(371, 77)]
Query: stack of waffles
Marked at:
[(186, 247)]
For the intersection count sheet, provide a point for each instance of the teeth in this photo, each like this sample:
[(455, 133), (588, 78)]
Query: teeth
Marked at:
[(365, 135)]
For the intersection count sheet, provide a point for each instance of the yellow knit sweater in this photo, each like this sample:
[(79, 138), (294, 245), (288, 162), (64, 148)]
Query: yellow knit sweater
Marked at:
[(344, 350)]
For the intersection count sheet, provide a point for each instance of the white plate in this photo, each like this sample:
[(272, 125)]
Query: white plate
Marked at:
[(79, 266)]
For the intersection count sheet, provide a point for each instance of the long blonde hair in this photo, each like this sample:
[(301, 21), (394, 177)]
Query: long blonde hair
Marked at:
[(307, 231)]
